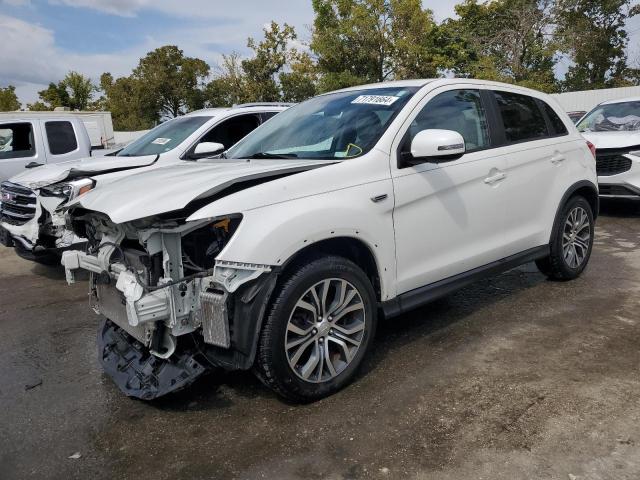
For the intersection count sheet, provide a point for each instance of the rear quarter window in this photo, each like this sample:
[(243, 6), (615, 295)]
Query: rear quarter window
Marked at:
[(522, 119), (61, 137), (557, 125)]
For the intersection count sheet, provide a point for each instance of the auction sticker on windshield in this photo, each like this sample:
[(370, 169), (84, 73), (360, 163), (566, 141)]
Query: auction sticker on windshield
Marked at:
[(376, 100), (161, 141)]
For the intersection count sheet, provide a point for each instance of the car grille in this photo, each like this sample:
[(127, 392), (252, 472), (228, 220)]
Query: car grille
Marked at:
[(18, 204), (610, 163)]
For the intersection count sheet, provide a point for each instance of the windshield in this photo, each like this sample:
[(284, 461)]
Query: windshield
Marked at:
[(614, 117), (337, 125), (164, 137)]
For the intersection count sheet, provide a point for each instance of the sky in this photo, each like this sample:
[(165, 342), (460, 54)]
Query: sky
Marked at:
[(41, 40)]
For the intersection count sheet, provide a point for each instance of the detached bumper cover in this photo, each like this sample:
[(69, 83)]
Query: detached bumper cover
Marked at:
[(139, 374)]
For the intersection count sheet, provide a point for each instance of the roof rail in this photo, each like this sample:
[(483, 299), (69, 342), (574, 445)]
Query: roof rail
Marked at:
[(264, 104)]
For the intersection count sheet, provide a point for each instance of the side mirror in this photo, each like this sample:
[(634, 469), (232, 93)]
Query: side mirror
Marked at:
[(206, 149), (435, 145)]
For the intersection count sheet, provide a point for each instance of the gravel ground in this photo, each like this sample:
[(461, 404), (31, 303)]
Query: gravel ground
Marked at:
[(514, 377)]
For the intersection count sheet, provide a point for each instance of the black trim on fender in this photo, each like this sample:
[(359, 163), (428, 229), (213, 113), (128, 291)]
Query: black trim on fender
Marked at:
[(570, 191), (423, 295), (248, 306)]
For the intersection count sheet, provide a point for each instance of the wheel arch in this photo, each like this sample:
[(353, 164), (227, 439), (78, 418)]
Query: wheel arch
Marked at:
[(351, 248), (583, 188)]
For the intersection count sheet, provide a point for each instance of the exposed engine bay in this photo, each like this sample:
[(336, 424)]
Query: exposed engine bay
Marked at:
[(172, 310)]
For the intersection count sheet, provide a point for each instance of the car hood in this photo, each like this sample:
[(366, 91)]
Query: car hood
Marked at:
[(132, 195), (56, 172), (613, 139)]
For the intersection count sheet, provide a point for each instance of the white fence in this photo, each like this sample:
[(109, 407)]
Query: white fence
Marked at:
[(587, 99)]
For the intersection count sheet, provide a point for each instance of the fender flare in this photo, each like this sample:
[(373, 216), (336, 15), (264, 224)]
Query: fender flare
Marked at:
[(568, 194)]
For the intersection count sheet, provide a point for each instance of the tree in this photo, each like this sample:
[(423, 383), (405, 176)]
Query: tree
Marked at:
[(173, 81), (275, 72), (131, 106), (55, 95), (228, 88), (270, 57), (301, 81), (360, 41), (504, 40), (8, 99), (74, 91), (592, 35), (79, 90)]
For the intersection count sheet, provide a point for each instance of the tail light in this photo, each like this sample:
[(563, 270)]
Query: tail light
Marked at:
[(592, 148)]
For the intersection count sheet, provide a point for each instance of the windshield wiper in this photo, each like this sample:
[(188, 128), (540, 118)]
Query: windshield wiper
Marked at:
[(272, 155)]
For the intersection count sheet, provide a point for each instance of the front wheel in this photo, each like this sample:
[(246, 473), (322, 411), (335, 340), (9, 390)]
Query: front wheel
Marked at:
[(318, 329), (572, 241)]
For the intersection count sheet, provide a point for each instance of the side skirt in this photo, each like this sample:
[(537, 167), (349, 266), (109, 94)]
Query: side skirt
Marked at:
[(423, 295)]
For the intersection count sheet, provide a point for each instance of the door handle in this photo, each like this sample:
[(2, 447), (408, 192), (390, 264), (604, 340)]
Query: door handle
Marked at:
[(558, 159), (33, 165), (495, 178)]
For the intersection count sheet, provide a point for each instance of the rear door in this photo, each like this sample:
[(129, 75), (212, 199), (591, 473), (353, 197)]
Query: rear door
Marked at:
[(19, 146), (61, 140), (536, 147)]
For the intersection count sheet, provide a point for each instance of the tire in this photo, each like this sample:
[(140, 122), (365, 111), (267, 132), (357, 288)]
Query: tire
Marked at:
[(319, 360), (571, 242)]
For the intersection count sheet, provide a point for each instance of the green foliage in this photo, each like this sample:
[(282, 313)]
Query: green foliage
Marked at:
[(362, 41), (275, 72), (174, 81), (131, 106), (8, 99), (74, 91), (269, 58), (591, 33), (503, 40), (79, 90)]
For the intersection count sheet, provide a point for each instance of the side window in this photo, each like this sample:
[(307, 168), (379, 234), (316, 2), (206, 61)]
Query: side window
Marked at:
[(233, 130), (267, 115), (557, 125), (16, 141), (521, 117), (457, 110), (61, 137)]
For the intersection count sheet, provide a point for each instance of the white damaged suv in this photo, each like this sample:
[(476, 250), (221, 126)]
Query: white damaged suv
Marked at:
[(281, 254)]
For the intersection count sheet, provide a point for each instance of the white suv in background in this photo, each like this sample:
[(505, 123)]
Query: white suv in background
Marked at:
[(614, 129), (30, 215), (280, 255)]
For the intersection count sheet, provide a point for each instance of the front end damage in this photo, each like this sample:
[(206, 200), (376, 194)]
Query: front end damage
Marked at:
[(171, 309), (32, 222)]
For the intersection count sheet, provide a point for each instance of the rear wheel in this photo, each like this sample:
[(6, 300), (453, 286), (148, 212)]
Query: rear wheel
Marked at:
[(318, 329), (572, 241)]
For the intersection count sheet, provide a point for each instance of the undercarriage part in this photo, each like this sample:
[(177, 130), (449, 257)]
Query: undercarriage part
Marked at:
[(139, 374)]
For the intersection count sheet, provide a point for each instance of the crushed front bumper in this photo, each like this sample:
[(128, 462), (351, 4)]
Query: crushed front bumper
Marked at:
[(160, 340)]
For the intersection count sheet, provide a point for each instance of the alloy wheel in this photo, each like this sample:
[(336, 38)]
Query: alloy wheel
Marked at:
[(576, 237), (325, 330)]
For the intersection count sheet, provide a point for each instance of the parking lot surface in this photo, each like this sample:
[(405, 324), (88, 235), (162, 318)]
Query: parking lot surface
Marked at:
[(513, 377)]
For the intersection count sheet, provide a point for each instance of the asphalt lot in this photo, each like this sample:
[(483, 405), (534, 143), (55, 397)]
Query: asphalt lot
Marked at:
[(515, 377)]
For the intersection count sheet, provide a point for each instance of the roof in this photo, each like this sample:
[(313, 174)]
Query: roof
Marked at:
[(441, 81), (621, 100), (249, 107)]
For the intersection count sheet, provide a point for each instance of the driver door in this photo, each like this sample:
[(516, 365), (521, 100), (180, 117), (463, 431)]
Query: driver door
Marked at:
[(449, 217)]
